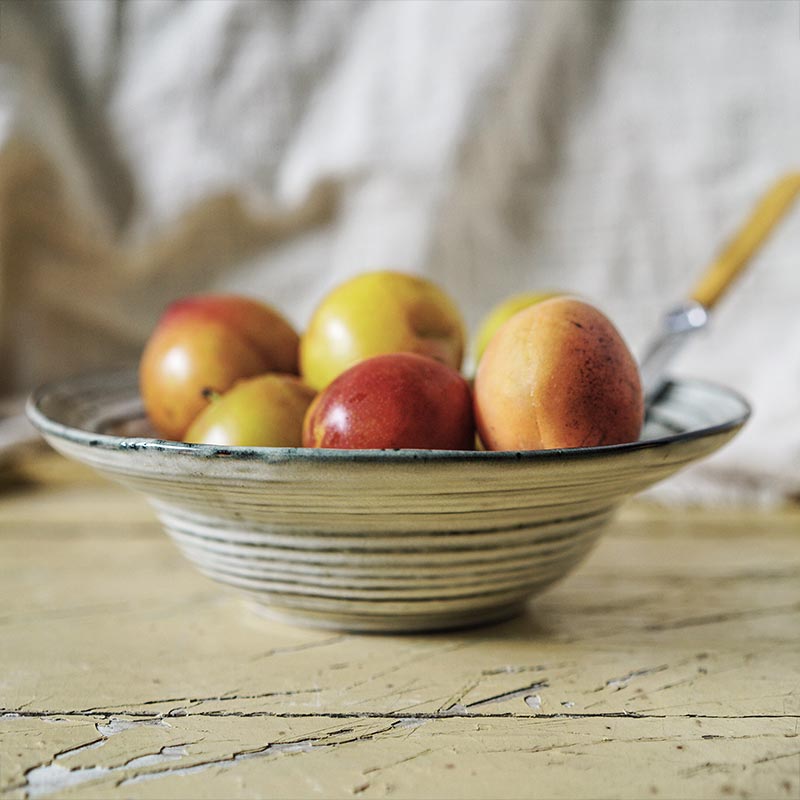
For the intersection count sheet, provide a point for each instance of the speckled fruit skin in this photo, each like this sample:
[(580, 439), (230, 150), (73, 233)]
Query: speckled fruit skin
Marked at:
[(376, 313), (206, 343), (265, 411), (557, 374), (400, 400)]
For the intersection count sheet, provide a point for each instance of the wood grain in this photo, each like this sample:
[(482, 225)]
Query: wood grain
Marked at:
[(666, 666)]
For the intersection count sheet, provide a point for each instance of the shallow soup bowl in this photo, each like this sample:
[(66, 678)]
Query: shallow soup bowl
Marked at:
[(377, 540)]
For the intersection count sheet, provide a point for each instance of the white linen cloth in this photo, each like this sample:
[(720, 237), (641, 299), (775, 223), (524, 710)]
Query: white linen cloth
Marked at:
[(153, 148)]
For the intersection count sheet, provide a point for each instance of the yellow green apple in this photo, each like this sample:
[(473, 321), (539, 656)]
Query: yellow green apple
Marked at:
[(377, 313)]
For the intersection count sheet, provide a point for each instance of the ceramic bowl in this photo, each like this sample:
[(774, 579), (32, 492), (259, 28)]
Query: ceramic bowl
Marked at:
[(380, 540)]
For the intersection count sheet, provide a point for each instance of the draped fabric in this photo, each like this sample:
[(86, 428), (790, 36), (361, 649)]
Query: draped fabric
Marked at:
[(152, 148)]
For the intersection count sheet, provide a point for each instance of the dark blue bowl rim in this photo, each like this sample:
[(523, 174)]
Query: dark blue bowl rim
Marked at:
[(54, 429)]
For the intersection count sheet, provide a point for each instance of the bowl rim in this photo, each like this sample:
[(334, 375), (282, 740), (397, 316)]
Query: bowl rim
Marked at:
[(49, 427)]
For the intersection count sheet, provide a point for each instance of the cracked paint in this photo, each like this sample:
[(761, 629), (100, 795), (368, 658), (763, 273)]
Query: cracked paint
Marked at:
[(650, 670), (378, 753)]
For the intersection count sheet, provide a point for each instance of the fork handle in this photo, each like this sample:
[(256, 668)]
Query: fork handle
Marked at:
[(773, 205)]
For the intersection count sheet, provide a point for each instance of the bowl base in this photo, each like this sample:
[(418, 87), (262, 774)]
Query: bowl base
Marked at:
[(353, 623)]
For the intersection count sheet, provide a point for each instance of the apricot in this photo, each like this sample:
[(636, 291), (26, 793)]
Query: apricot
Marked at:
[(203, 345), (557, 374)]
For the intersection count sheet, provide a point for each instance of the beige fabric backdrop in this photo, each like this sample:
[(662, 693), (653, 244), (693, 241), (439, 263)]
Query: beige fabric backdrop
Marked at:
[(151, 148)]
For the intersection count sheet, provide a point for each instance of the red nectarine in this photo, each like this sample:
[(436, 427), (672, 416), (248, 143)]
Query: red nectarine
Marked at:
[(400, 400)]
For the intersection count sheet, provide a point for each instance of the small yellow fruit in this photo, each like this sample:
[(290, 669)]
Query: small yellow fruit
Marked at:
[(502, 312), (265, 411)]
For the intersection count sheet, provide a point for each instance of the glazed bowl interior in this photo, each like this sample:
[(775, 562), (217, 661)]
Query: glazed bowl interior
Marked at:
[(380, 540)]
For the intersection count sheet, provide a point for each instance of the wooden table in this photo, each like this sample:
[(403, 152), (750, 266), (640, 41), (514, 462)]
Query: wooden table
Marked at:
[(667, 666)]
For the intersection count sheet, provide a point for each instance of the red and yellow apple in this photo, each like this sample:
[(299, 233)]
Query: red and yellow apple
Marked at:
[(557, 374), (265, 411), (503, 312), (377, 313), (399, 400), (203, 345)]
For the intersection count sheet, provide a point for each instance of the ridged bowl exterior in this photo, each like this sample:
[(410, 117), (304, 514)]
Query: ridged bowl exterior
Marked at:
[(380, 540)]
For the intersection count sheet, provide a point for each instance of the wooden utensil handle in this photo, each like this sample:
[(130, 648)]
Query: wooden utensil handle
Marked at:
[(775, 203)]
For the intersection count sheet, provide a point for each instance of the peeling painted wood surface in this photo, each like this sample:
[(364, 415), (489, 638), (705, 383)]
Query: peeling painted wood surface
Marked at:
[(667, 666)]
